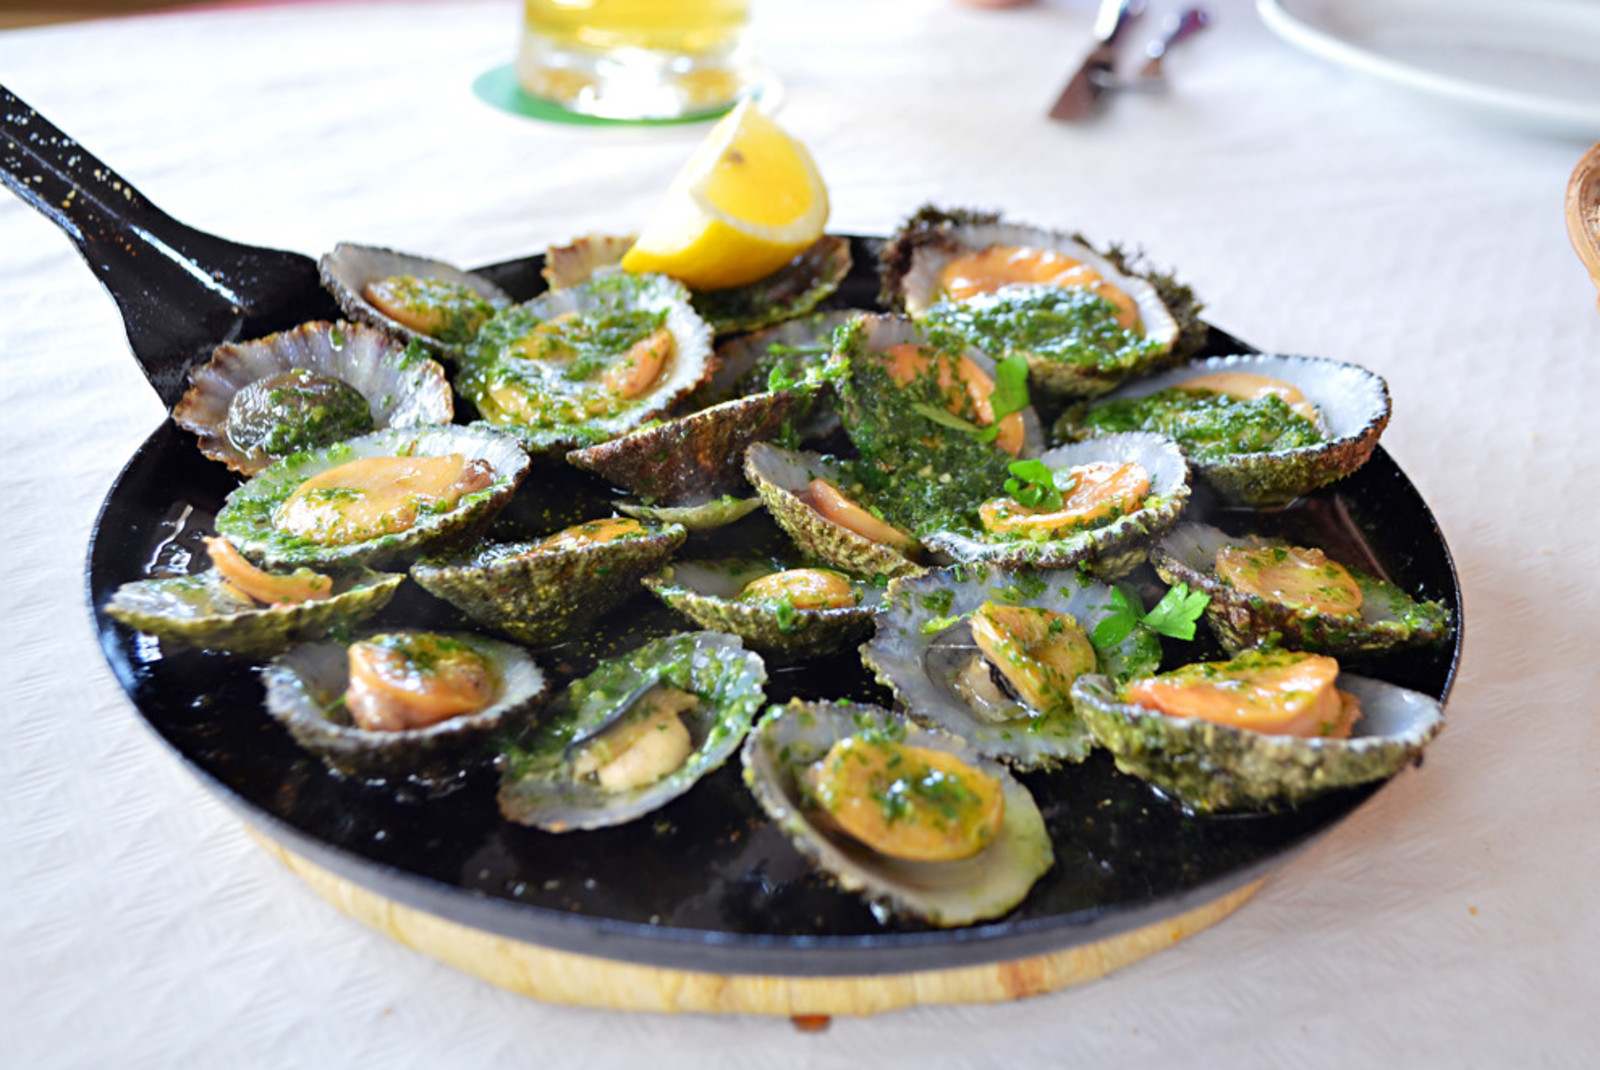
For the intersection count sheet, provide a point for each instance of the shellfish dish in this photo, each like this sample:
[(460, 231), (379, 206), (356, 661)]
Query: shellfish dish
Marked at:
[(963, 579)]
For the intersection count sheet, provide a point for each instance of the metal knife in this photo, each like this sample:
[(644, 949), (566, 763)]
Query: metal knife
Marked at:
[(1078, 99)]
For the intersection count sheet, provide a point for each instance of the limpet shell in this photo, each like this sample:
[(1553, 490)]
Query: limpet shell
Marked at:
[(201, 610), (537, 785), (351, 267), (1215, 767), (1082, 376), (781, 476), (246, 519), (1354, 404), (1111, 549), (987, 885), (306, 685), (924, 640), (547, 597), (1389, 617), (707, 592), (493, 364), (402, 388)]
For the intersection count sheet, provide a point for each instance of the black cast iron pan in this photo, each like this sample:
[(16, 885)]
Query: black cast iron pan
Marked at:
[(706, 883)]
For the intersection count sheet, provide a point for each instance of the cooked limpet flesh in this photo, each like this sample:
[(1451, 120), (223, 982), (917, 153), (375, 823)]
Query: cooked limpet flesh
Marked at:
[(448, 311), (413, 680), (385, 496), (833, 505), (1300, 577), (784, 479), (1082, 322), (608, 751), (586, 364), (1276, 692), (237, 607), (990, 655), (248, 581), (371, 497), (640, 747), (1038, 652), (976, 844), (1224, 761), (403, 706), (294, 410), (803, 588), (1269, 589), (1213, 416), (418, 298), (1083, 496), (1240, 429), (904, 801), (1095, 503), (787, 612)]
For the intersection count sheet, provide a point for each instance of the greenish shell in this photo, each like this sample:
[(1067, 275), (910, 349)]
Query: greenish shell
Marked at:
[(793, 290), (200, 610), (537, 785), (1111, 549), (1081, 362), (1214, 767), (695, 458), (1389, 617), (946, 894), (707, 592), (246, 519), (1353, 403), (305, 691), (547, 597), (493, 361), (706, 516), (350, 268), (775, 357), (402, 387), (781, 476), (923, 643)]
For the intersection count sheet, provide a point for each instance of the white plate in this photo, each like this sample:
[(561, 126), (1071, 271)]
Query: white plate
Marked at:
[(1533, 62)]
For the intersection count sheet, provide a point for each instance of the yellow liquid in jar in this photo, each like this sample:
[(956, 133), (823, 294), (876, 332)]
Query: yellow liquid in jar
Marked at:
[(682, 27)]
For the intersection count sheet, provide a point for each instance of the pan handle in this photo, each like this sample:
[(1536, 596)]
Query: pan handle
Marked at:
[(181, 291)]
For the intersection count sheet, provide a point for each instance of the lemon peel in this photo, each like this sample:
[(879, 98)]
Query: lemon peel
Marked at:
[(747, 202)]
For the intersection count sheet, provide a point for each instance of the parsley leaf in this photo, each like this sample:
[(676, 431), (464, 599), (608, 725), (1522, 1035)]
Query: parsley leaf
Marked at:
[(948, 419), (1120, 622), (1174, 616), (1010, 394), (1176, 613), (788, 617), (1034, 485), (1010, 387), (935, 625)]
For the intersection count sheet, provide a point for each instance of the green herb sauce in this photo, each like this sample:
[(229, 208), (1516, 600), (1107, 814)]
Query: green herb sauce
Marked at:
[(296, 410), (1068, 325), (1209, 426)]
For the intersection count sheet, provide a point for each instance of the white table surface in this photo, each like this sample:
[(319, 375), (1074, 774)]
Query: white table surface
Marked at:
[(1450, 923)]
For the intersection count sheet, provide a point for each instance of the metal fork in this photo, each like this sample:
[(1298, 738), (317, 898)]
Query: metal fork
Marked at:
[(1178, 27)]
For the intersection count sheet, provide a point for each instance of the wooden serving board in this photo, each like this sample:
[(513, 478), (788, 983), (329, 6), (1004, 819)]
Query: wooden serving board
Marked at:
[(584, 980)]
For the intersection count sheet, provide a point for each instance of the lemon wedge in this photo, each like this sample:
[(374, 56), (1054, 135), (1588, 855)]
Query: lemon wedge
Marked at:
[(747, 202)]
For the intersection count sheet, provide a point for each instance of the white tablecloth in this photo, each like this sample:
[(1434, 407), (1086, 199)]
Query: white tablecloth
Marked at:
[(1450, 923)]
